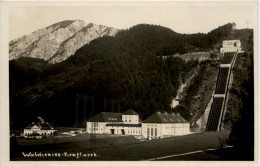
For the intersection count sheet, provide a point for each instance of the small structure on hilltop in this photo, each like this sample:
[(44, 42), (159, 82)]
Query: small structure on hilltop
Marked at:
[(160, 125), (39, 130), (231, 46)]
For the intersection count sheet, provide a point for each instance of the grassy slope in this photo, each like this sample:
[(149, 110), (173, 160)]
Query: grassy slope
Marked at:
[(119, 148), (207, 86), (195, 101)]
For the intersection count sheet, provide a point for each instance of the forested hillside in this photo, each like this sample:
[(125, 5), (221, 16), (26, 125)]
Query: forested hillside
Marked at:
[(116, 73), (240, 108)]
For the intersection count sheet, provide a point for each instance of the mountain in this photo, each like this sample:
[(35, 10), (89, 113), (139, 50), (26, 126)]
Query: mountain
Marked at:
[(59, 41)]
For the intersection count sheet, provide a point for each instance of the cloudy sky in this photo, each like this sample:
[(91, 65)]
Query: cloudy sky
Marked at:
[(182, 17)]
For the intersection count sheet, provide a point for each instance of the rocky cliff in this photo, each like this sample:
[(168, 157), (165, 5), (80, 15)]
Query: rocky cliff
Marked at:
[(57, 42)]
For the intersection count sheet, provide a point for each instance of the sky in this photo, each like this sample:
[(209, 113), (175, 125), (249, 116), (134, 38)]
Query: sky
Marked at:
[(188, 17)]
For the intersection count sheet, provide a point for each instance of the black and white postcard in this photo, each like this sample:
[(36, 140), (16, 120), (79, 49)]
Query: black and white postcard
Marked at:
[(173, 82)]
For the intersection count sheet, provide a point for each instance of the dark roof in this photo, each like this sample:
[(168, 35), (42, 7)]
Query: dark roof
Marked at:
[(31, 125), (124, 125), (106, 117), (47, 126), (43, 126), (159, 117), (130, 112)]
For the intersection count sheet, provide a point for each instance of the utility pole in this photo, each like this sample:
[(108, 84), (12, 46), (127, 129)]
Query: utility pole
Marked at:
[(247, 24), (92, 140)]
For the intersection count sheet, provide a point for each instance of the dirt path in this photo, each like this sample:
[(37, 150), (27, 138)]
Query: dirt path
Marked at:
[(171, 157)]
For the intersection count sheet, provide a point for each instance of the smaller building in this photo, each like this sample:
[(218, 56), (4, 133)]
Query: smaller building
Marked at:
[(40, 129), (161, 125), (231, 46)]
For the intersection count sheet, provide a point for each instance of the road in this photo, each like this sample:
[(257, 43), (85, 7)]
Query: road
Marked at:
[(189, 154)]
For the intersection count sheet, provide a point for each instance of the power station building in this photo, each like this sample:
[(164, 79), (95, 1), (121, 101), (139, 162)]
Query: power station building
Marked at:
[(127, 123), (158, 125)]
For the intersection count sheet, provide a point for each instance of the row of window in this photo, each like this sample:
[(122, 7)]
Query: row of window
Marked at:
[(153, 132), (28, 130), (134, 132), (27, 134), (128, 120), (95, 128), (128, 127), (112, 118), (129, 132)]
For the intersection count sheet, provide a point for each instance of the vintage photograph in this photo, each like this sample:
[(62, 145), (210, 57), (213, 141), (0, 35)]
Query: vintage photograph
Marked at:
[(132, 81)]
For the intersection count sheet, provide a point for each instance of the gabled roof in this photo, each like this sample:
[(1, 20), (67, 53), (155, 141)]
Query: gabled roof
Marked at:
[(159, 117), (43, 126), (106, 117), (30, 126), (130, 112)]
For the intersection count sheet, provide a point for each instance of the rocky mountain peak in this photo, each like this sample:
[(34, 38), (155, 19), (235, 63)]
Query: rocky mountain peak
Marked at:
[(58, 41)]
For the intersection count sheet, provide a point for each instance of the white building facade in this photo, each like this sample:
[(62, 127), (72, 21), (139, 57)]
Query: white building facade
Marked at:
[(231, 46), (161, 125), (158, 125), (126, 123), (41, 129)]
